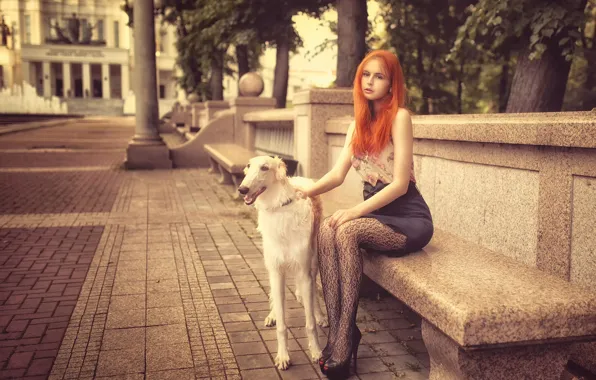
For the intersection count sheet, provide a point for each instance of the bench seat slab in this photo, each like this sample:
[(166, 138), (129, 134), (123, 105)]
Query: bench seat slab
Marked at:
[(479, 298), (449, 362)]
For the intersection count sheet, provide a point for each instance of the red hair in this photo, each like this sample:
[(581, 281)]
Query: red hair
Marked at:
[(364, 140)]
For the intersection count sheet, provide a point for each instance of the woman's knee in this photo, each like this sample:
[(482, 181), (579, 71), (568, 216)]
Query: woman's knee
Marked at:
[(348, 234)]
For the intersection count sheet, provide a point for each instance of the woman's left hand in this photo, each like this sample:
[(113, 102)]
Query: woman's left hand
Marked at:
[(341, 216)]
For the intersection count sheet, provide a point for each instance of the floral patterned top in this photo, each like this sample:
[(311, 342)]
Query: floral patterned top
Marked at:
[(378, 167)]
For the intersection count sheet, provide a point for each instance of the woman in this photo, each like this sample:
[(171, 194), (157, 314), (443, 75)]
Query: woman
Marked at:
[(393, 218)]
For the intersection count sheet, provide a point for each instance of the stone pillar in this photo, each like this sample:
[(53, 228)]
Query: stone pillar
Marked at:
[(125, 78), (26, 71), (67, 80), (105, 76), (87, 80), (46, 75), (146, 150), (243, 133), (312, 109)]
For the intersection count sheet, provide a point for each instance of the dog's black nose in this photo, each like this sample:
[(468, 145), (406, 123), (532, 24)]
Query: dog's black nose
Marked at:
[(243, 190)]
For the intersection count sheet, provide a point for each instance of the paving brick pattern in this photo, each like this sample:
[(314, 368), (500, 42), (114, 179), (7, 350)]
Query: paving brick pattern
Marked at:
[(41, 274), (45, 159), (59, 192), (176, 287)]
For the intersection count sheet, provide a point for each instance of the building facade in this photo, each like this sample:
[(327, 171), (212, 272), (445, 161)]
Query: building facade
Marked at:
[(77, 49)]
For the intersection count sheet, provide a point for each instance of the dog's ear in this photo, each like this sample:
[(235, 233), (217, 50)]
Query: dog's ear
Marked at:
[(282, 170)]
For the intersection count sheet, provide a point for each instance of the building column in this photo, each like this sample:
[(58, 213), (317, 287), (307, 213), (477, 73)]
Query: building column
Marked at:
[(46, 75), (125, 78), (8, 76), (26, 71), (87, 80), (146, 150), (66, 80), (157, 83), (106, 87)]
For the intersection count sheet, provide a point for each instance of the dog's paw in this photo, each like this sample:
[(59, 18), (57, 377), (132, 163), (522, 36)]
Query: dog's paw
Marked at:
[(321, 320), (282, 361), (315, 355), (270, 321)]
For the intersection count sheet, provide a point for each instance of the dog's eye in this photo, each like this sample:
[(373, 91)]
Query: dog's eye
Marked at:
[(248, 166), (264, 168)]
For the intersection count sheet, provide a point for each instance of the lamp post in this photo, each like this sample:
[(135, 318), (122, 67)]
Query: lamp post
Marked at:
[(146, 150)]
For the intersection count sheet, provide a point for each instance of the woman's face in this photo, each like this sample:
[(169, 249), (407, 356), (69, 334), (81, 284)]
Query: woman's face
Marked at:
[(375, 81)]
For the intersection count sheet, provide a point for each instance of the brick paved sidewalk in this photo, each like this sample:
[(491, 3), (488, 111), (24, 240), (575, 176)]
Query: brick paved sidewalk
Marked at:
[(149, 274)]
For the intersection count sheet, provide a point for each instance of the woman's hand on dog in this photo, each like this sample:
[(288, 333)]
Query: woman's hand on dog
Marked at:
[(341, 216), (301, 192)]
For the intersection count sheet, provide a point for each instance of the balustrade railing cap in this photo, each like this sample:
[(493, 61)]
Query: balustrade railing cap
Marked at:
[(562, 129), (324, 96), (249, 101)]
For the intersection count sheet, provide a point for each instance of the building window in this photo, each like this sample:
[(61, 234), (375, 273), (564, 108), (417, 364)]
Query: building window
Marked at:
[(162, 91), (100, 36), (27, 29), (116, 34)]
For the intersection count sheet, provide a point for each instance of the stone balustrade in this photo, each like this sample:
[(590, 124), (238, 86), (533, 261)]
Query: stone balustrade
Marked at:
[(271, 132)]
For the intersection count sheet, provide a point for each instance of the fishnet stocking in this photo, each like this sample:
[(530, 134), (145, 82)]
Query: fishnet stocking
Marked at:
[(340, 265)]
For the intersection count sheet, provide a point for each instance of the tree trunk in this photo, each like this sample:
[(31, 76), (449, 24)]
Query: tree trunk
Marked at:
[(282, 68), (425, 110), (503, 83), (539, 85), (460, 87), (216, 80), (351, 39), (242, 58)]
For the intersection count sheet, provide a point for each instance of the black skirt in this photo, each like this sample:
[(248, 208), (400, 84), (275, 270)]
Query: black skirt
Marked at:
[(409, 215)]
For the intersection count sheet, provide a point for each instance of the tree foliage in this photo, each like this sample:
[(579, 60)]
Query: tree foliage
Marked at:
[(208, 28), (460, 55)]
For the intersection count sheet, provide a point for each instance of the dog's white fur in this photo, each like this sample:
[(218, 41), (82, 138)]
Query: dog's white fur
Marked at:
[(289, 227)]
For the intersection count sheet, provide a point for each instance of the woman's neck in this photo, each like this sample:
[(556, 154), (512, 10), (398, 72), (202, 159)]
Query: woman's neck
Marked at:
[(375, 108)]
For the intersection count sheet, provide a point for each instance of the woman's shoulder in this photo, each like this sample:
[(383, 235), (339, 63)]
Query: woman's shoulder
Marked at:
[(402, 116)]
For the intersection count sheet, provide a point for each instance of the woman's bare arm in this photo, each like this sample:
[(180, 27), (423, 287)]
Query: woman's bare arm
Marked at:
[(337, 174)]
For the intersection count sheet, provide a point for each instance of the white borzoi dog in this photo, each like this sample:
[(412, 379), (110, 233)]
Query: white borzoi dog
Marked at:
[(289, 226)]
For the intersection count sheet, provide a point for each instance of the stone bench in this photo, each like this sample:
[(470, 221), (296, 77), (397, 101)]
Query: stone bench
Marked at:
[(229, 161), (487, 316)]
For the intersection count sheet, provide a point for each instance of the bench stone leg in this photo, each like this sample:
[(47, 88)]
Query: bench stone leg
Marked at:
[(225, 178), (449, 362), (213, 166), (237, 179)]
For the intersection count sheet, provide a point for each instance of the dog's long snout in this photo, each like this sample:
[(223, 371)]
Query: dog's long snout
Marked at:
[(243, 190)]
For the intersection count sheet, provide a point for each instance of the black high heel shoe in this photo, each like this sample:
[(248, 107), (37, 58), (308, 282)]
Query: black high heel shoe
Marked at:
[(341, 370)]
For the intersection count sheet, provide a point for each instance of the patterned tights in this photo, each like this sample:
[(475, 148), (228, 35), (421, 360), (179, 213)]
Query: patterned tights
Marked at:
[(340, 265)]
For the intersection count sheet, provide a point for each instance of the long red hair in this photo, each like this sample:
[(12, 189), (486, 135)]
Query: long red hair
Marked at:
[(372, 134)]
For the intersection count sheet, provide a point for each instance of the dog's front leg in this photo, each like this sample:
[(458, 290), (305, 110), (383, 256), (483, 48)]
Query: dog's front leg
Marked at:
[(308, 295), (277, 283), (319, 316)]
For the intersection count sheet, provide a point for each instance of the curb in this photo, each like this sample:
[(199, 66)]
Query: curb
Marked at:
[(36, 124)]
